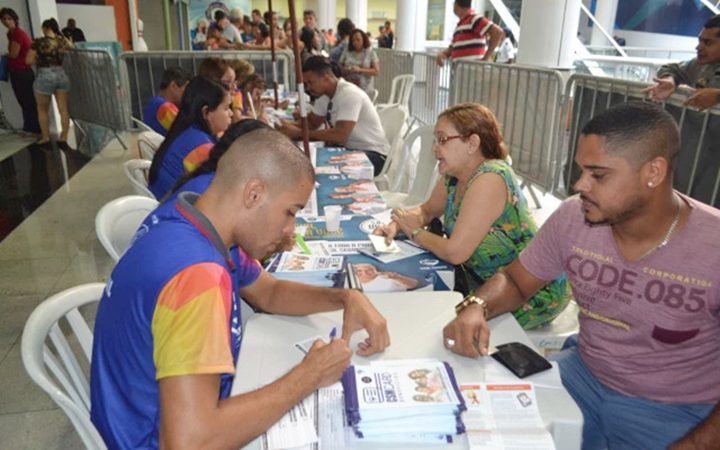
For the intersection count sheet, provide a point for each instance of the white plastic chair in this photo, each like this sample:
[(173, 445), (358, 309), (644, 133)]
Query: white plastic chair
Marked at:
[(393, 120), (57, 371), (148, 143), (373, 94), (425, 174), (400, 91), (140, 124), (117, 222), (137, 172)]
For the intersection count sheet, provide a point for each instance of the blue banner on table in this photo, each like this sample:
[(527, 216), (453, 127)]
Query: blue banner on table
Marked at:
[(422, 272)]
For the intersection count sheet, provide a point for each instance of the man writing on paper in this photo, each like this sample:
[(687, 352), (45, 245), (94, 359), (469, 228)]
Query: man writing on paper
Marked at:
[(644, 263), (167, 333), (346, 111), (701, 73)]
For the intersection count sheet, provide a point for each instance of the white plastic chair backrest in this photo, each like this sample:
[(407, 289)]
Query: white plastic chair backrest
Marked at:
[(373, 94), (426, 170), (393, 120), (137, 172), (142, 125), (401, 89), (148, 143), (57, 369), (117, 222)]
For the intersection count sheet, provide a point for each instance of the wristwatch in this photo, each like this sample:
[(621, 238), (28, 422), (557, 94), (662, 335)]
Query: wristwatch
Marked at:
[(469, 300), (415, 232)]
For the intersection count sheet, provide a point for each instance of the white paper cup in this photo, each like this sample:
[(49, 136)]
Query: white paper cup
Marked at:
[(332, 217)]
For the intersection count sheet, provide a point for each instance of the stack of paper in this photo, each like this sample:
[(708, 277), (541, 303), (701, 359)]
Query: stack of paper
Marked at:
[(403, 401)]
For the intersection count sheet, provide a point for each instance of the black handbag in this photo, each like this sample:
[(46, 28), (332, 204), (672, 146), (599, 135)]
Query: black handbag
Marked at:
[(462, 273)]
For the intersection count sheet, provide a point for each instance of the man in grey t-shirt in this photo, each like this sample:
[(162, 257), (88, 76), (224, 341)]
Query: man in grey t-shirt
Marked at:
[(644, 265), (347, 112), (701, 73)]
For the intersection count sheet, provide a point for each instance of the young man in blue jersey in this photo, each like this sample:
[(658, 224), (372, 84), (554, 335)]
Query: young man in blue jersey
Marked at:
[(167, 332)]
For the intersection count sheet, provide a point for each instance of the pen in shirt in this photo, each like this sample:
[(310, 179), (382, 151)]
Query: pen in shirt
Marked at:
[(333, 333)]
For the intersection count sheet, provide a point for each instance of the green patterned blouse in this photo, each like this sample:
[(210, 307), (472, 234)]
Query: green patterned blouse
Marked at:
[(507, 237)]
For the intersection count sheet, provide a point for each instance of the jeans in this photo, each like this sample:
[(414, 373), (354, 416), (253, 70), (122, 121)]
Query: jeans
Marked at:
[(22, 84), (377, 160), (616, 421)]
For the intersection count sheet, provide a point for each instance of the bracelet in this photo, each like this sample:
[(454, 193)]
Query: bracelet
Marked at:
[(470, 300), (415, 232)]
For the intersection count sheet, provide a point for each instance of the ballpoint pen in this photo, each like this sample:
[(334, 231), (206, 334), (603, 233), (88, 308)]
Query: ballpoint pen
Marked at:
[(333, 333)]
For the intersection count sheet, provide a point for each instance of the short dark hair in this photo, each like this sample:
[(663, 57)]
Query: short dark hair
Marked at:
[(387, 23), (219, 15), (256, 11), (637, 131), (176, 75), (319, 65), (464, 3), (345, 27), (309, 12), (11, 13), (713, 22), (366, 39)]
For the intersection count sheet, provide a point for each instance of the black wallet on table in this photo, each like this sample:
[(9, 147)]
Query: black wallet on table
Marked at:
[(520, 359)]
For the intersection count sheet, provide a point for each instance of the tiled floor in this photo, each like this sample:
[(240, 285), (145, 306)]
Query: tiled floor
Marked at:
[(53, 249)]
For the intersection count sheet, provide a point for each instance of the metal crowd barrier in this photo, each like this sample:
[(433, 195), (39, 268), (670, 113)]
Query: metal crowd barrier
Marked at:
[(392, 64), (527, 103), (635, 69), (431, 93), (697, 170), (141, 71), (95, 97)]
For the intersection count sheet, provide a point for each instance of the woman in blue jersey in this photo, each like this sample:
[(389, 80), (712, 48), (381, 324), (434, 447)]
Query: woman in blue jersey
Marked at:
[(199, 179), (204, 114)]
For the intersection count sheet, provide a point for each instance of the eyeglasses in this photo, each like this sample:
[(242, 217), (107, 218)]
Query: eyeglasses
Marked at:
[(442, 140), (327, 116)]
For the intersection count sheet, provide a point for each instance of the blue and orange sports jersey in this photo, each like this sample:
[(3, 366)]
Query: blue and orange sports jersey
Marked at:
[(189, 149), (170, 308), (159, 114), (237, 101)]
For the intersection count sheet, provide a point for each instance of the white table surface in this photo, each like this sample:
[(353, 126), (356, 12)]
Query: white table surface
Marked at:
[(415, 321)]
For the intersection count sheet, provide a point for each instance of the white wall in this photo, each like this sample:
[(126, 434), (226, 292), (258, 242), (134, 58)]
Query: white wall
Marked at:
[(96, 21)]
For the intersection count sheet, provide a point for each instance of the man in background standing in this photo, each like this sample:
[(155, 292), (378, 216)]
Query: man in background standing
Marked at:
[(390, 35), (310, 22), (470, 39), (72, 32)]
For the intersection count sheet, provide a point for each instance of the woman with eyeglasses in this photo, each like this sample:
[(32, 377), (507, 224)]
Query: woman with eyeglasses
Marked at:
[(204, 115), (486, 218)]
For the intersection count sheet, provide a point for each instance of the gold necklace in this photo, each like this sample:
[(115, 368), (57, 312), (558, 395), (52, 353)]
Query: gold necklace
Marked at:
[(668, 235)]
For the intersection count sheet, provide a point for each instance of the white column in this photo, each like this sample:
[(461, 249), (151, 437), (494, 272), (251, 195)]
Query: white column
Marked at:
[(411, 25), (605, 13), (557, 22), (451, 21), (326, 12), (356, 10), (41, 10)]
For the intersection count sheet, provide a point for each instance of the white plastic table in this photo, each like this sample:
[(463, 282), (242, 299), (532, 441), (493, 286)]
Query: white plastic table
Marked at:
[(415, 321)]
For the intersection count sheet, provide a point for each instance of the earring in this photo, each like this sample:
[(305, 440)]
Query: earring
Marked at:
[(650, 184)]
